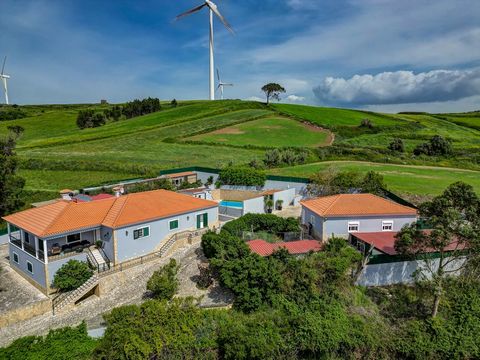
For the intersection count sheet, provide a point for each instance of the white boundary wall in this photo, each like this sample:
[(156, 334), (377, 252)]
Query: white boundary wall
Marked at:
[(397, 272)]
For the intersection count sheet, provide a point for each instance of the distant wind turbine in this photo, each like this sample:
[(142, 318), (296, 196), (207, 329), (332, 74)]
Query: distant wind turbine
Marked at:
[(221, 84), (213, 10), (4, 80)]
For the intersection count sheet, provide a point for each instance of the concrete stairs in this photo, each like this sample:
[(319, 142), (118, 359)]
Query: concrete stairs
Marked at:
[(98, 257), (65, 300)]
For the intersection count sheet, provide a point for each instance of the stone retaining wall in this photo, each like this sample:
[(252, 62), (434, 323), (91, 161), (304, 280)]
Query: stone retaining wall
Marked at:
[(25, 312)]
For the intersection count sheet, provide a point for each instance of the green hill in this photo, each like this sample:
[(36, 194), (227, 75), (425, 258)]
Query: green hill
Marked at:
[(55, 153)]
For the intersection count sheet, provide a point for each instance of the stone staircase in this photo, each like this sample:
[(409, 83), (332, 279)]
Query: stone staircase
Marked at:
[(98, 257), (62, 301)]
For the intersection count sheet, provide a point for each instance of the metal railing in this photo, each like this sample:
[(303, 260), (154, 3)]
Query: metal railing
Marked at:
[(155, 255), (65, 298)]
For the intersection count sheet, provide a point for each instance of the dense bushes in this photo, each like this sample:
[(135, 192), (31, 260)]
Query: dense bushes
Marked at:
[(150, 185), (72, 275), (90, 119), (163, 284), (396, 145), (290, 157), (141, 107), (245, 176), (65, 343), (437, 146), (331, 182), (11, 113), (261, 222)]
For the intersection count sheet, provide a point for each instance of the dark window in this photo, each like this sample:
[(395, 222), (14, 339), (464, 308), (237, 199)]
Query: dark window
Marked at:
[(29, 267), (73, 238), (15, 258), (139, 233), (173, 224), (26, 237)]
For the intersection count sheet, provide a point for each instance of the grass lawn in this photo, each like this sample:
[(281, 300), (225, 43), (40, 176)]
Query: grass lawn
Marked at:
[(331, 117), (269, 132), (55, 180), (399, 178)]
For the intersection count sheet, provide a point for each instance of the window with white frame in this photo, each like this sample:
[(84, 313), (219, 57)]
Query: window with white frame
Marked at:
[(29, 267), (15, 258), (387, 225), (353, 226), (142, 232), (173, 224), (312, 219)]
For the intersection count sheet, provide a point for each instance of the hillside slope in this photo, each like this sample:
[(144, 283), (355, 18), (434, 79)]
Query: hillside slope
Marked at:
[(52, 149)]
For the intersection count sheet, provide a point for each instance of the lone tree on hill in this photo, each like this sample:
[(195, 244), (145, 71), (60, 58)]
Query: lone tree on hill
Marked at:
[(454, 235), (273, 91)]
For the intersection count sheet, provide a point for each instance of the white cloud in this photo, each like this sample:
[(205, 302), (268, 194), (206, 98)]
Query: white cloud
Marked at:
[(254, 98), (385, 34), (400, 87), (295, 98)]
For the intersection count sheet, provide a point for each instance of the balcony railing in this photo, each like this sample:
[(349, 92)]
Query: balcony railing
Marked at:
[(29, 249), (56, 253), (16, 242)]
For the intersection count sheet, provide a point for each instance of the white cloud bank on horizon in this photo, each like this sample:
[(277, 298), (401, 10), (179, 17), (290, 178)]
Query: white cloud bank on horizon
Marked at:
[(400, 87), (295, 98)]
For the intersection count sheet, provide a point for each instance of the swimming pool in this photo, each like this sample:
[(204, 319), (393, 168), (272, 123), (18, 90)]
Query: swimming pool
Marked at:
[(231, 203)]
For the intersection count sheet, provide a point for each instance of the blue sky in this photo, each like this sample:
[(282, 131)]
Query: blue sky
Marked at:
[(385, 55)]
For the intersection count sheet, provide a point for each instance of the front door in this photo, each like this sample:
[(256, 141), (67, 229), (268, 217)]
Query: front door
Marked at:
[(202, 221)]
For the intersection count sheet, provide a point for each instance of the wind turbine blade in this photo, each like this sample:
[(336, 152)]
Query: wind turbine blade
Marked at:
[(191, 11), (227, 84), (214, 8), (3, 66), (218, 75)]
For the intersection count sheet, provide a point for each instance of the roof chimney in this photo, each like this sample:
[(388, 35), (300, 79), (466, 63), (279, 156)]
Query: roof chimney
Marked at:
[(118, 190), (66, 194)]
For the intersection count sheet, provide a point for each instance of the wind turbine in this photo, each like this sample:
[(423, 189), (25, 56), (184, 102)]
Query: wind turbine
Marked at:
[(213, 10), (4, 80), (221, 84)]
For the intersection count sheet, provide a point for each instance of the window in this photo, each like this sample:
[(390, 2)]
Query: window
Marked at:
[(29, 267), (173, 224), (15, 258), (26, 237), (73, 238), (142, 232), (312, 219), (202, 221), (387, 225), (353, 226)]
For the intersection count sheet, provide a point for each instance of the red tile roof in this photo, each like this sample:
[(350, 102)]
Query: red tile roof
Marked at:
[(66, 216), (263, 248), (356, 205), (385, 241), (101, 197)]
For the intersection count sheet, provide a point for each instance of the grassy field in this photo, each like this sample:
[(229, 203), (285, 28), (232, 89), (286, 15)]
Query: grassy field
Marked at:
[(157, 141), (400, 178), (269, 132), (54, 180)]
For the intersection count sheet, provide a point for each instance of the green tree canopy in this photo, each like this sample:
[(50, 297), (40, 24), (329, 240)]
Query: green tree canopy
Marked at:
[(454, 222), (273, 91), (72, 275)]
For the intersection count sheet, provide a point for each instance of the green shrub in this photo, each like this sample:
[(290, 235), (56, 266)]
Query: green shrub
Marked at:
[(163, 284), (65, 343), (261, 222), (72, 275), (239, 175)]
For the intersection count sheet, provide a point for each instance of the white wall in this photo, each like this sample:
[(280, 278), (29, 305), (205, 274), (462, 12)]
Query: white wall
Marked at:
[(254, 206), (396, 272), (287, 195)]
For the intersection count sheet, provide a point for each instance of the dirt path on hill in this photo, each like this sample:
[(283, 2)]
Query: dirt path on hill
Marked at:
[(313, 127)]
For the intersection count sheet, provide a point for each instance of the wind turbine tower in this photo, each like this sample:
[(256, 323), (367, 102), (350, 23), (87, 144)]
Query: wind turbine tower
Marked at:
[(221, 84), (213, 9), (4, 80)]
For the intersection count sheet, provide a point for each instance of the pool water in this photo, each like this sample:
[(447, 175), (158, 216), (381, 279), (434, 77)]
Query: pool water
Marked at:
[(231, 203)]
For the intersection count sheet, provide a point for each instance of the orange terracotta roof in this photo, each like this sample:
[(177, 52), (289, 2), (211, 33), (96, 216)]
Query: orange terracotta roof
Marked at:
[(356, 204), (66, 191), (269, 192), (66, 216), (181, 174)]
